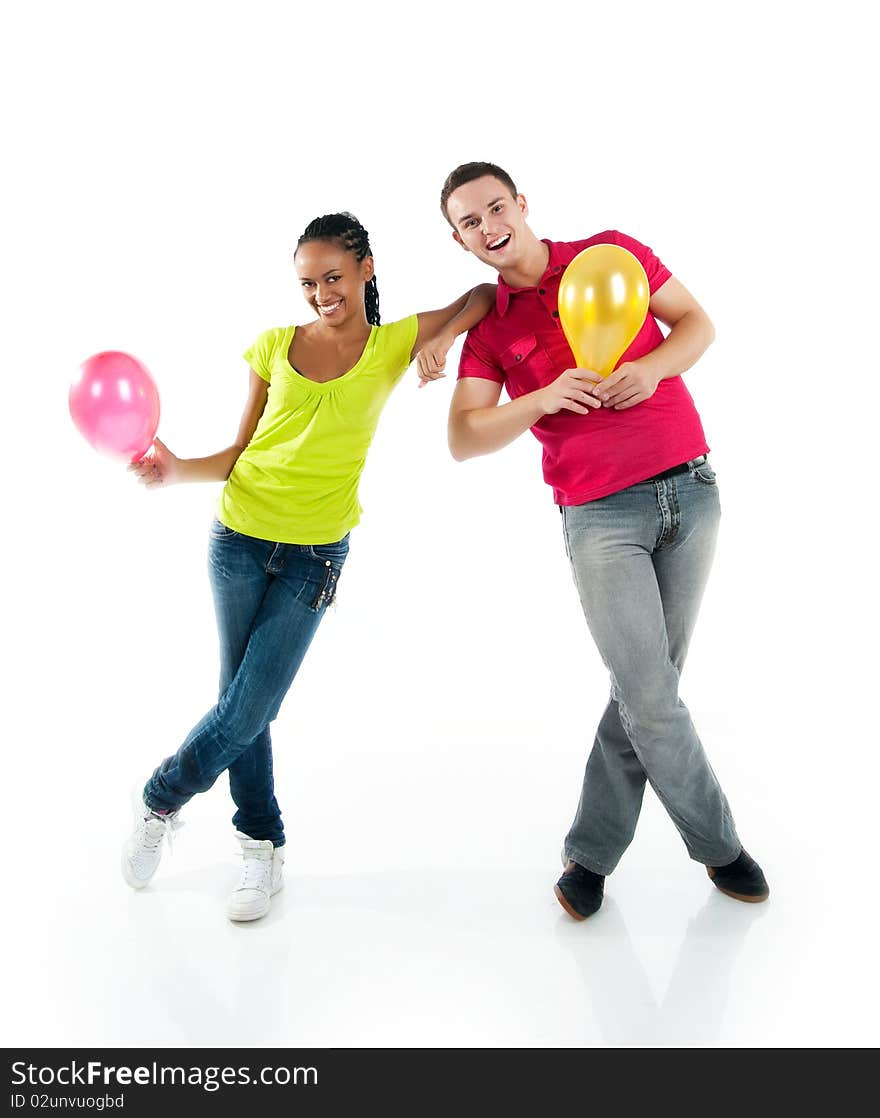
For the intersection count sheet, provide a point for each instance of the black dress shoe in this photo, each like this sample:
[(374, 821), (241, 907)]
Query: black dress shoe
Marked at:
[(580, 891), (742, 879)]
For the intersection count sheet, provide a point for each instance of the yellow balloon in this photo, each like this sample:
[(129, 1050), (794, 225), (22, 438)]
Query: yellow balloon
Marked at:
[(603, 301)]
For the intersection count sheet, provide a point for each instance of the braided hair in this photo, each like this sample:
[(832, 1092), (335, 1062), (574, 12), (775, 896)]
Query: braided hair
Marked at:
[(345, 229)]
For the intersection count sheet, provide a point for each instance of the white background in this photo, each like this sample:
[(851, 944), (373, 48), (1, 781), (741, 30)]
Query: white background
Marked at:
[(161, 162)]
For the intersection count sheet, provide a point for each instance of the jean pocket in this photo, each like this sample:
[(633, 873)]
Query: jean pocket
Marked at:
[(326, 594), (219, 531), (702, 471), (335, 553)]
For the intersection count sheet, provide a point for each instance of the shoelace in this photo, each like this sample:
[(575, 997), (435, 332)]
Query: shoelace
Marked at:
[(256, 873), (154, 828)]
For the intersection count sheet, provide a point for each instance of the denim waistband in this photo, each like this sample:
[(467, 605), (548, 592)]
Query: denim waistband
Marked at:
[(682, 469)]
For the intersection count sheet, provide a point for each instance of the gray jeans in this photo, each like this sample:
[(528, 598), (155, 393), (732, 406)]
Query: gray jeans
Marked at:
[(641, 558)]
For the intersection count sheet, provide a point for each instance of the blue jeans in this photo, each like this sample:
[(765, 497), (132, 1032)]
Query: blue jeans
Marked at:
[(269, 599), (641, 559)]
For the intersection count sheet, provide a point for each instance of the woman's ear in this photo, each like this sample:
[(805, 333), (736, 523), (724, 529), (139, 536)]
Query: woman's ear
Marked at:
[(368, 268)]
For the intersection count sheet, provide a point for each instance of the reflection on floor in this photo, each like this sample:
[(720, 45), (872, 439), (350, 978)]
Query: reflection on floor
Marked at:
[(412, 958)]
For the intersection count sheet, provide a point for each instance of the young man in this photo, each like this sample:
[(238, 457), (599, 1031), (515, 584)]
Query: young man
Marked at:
[(626, 458)]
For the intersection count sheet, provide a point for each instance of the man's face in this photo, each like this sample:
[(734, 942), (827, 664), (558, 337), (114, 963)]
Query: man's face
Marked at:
[(488, 221)]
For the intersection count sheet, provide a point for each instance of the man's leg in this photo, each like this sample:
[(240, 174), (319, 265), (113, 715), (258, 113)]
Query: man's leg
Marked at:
[(683, 560), (612, 544), (610, 800)]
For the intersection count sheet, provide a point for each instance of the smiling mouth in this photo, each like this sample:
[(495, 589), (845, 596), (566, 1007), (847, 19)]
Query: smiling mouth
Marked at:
[(328, 308), (498, 243)]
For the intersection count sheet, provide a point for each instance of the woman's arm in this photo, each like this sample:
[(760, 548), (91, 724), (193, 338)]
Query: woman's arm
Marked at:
[(439, 329), (164, 468)]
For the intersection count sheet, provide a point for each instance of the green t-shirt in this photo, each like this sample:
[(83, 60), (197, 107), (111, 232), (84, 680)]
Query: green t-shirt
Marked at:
[(297, 479)]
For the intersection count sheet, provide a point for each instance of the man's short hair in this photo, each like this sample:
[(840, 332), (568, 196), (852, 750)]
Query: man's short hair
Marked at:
[(467, 172)]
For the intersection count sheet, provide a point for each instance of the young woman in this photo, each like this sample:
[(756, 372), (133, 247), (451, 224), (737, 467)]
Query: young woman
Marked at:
[(281, 535)]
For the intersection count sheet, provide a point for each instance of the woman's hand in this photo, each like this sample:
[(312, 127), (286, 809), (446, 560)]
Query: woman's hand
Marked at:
[(158, 467), (431, 358)]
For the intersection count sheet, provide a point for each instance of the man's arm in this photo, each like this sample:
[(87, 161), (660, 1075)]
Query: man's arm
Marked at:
[(690, 335), (479, 425)]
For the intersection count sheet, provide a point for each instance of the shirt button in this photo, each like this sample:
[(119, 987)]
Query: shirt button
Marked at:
[(556, 314), (556, 269), (519, 357), (542, 290)]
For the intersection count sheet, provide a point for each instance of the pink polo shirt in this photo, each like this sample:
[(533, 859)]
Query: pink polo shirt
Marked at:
[(521, 345)]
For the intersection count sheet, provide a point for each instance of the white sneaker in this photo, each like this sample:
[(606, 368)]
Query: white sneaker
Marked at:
[(260, 878), (143, 849)]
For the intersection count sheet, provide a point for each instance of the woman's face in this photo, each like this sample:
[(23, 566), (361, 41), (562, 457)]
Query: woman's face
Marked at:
[(332, 280)]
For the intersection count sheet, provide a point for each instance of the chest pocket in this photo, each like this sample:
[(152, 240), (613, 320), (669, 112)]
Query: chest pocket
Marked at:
[(527, 365)]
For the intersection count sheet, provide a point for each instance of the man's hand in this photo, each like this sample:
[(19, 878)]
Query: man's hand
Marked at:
[(627, 386), (431, 358), (572, 391)]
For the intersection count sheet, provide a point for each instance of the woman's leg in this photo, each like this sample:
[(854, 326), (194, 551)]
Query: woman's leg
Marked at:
[(239, 581), (302, 584)]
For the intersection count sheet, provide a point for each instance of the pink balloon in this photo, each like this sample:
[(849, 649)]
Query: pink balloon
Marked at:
[(115, 405)]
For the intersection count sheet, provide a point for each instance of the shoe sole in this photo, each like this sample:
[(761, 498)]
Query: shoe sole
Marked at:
[(560, 896), (736, 896), (246, 919), (258, 915)]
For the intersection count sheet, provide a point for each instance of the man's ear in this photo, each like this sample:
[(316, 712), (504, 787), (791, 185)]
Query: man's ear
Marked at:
[(456, 237), (523, 204)]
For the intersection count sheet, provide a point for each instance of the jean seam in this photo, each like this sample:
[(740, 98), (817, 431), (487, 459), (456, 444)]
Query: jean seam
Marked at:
[(565, 540)]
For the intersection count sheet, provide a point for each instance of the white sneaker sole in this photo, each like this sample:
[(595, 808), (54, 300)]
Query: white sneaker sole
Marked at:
[(244, 917)]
